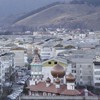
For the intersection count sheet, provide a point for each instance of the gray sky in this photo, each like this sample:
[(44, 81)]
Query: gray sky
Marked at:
[(11, 7)]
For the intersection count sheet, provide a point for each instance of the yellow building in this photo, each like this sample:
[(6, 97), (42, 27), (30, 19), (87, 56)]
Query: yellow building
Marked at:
[(49, 64)]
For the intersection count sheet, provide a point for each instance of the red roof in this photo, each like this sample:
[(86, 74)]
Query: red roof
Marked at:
[(71, 92), (36, 59), (41, 86), (89, 93)]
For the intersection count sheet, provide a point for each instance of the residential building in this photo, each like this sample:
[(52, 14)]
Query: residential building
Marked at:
[(96, 72), (46, 52), (6, 66), (19, 56)]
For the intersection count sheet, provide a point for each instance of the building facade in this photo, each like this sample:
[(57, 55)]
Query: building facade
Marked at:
[(96, 72)]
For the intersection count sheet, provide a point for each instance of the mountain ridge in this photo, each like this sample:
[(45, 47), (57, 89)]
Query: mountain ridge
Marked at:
[(64, 15), (38, 10)]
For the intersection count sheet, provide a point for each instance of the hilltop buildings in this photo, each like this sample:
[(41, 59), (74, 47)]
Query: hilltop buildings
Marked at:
[(96, 72), (53, 59)]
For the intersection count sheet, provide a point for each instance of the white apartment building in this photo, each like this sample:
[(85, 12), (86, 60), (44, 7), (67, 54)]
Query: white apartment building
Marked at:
[(46, 53), (96, 72), (6, 62), (82, 69), (19, 56), (2, 74)]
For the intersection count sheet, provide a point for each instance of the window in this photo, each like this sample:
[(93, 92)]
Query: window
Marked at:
[(97, 67), (45, 53), (81, 77), (97, 78), (49, 62), (81, 82), (72, 86), (55, 62), (49, 94), (89, 77), (74, 66), (89, 66), (73, 71), (97, 73)]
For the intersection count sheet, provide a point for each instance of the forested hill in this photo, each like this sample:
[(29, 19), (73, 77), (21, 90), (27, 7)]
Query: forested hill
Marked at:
[(89, 2), (63, 15), (38, 10)]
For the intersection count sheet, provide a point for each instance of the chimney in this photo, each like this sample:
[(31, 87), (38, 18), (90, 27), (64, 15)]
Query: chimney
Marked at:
[(48, 81), (32, 82), (57, 86), (86, 92), (36, 81)]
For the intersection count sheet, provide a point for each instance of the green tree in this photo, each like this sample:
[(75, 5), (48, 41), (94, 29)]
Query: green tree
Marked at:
[(25, 90)]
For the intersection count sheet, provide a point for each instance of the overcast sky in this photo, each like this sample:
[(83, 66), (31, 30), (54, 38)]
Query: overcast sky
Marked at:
[(11, 7)]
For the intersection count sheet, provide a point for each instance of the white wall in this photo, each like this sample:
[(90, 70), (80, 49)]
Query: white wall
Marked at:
[(19, 57)]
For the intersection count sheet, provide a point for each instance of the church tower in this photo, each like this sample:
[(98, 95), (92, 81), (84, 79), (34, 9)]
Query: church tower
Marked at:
[(36, 68), (70, 80)]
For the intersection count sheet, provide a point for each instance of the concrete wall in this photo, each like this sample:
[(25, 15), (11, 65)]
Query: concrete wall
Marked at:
[(19, 58), (59, 98)]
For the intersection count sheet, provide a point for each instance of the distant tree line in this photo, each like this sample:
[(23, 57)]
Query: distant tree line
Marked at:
[(89, 2), (6, 33), (15, 33)]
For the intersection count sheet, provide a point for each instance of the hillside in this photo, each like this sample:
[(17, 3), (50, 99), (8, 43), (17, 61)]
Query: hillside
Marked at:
[(64, 15), (89, 2), (10, 10)]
